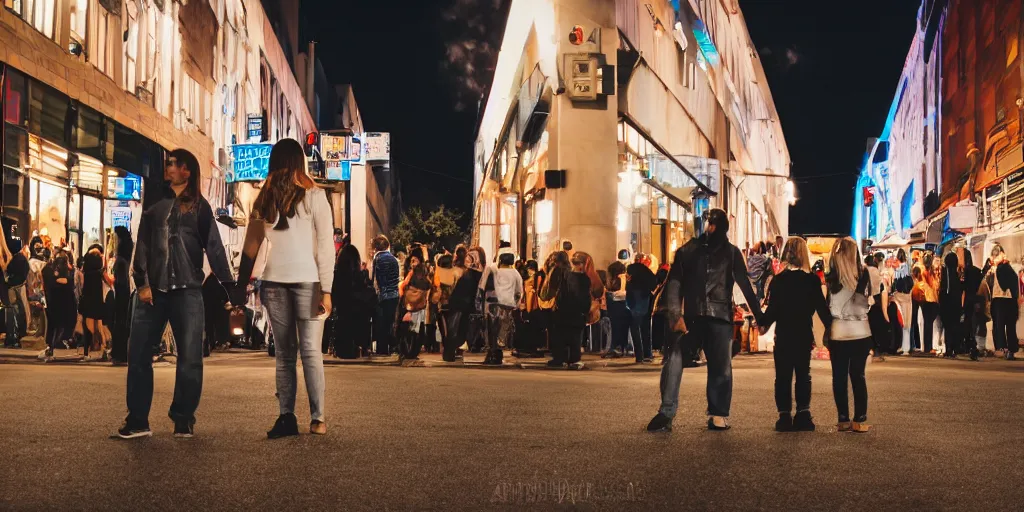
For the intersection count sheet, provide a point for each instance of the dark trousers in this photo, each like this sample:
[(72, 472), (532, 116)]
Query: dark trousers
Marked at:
[(1004, 324), (950, 315), (640, 329), (184, 310), (879, 327), (715, 337), (13, 318), (970, 343), (787, 362), (457, 327), (122, 326), (566, 344), (915, 331), (658, 331), (384, 326), (849, 359), (930, 311), (620, 317)]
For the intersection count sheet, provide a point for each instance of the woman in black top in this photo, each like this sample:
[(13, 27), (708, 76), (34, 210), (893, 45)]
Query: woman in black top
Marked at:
[(90, 305), (59, 288), (570, 287), (462, 303), (355, 303), (951, 304), (793, 298), (122, 295)]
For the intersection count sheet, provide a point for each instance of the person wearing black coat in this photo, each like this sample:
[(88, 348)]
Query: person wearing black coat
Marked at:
[(972, 283), (215, 299), (794, 296), (462, 303), (1004, 284), (951, 304), (570, 287), (354, 306), (640, 286)]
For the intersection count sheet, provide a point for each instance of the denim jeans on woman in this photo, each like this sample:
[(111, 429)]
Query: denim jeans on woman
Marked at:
[(715, 337), (296, 331)]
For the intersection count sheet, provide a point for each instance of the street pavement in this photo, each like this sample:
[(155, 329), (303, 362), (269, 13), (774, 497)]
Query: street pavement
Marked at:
[(946, 437)]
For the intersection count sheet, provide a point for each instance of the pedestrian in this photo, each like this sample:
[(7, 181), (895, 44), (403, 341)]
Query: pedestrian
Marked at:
[(972, 301), (902, 288), (217, 310), (385, 277), (640, 286), (849, 339), (61, 308), (16, 269), (355, 304), (445, 277), (174, 233), (928, 303), (951, 305), (91, 306), (571, 289), (121, 326), (507, 293), (659, 329), (462, 304), (700, 286), (793, 299), (757, 265), (618, 312), (293, 215), (557, 270), (878, 314), (415, 306), (1004, 284)]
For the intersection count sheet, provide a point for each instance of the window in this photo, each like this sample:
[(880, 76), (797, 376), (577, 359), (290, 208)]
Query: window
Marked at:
[(102, 57), (78, 18), (14, 5), (38, 13), (191, 101), (129, 62)]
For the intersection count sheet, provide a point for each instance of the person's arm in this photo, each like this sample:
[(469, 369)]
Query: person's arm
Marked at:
[(323, 224), (771, 311), (820, 303), (671, 298), (885, 303), (212, 244), (140, 263), (254, 234), (739, 269)]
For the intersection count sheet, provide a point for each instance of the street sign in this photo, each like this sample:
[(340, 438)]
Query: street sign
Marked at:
[(339, 170), (378, 146), (251, 162), (255, 124)]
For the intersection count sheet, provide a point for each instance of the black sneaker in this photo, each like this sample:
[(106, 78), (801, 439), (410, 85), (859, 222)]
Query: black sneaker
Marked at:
[(132, 429), (555, 364), (803, 422), (785, 423), (286, 425), (660, 423), (184, 429)]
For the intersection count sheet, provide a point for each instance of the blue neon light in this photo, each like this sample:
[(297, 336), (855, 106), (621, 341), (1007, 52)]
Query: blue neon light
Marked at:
[(704, 42)]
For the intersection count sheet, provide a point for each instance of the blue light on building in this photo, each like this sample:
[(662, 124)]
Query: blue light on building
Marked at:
[(704, 42)]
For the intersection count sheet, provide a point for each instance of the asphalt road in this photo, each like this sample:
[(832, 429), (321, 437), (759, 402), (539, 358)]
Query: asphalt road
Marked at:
[(946, 437)]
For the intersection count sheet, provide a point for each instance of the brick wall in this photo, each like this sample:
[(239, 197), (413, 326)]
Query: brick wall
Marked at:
[(26, 49)]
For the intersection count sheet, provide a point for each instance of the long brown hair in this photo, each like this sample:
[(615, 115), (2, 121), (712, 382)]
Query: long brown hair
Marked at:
[(286, 184), (191, 195), (845, 265)]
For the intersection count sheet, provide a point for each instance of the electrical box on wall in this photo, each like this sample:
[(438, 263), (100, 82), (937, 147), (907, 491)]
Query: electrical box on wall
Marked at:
[(587, 77)]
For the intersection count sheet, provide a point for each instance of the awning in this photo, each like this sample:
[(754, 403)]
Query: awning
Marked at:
[(672, 194), (891, 241)]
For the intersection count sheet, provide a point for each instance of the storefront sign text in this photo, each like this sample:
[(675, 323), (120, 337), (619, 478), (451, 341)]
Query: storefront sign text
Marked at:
[(251, 162)]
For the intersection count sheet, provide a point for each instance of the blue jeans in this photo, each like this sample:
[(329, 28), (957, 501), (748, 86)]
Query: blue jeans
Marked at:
[(619, 315), (715, 336), (640, 327), (296, 331), (184, 310)]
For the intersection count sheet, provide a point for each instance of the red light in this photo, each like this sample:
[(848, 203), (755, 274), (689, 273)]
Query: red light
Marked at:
[(311, 139)]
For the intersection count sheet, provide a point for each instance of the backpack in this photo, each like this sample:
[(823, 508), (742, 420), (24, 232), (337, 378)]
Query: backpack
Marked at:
[(573, 300)]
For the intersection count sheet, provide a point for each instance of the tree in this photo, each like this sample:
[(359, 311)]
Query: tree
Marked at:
[(439, 226)]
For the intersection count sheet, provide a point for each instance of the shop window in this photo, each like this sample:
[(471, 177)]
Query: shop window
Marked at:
[(48, 209), (48, 110), (88, 132), (15, 98), (92, 211), (15, 148), (88, 174), (47, 158), (12, 188)]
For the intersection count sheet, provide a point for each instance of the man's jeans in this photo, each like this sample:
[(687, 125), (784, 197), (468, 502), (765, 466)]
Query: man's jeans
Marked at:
[(619, 315), (715, 336), (296, 330), (640, 327), (184, 310), (384, 326)]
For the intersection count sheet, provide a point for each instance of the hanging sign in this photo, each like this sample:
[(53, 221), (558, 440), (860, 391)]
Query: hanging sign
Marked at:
[(120, 216), (339, 170), (255, 124), (378, 146), (251, 162)]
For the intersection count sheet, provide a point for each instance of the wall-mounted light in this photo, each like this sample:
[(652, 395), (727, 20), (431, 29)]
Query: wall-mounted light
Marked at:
[(75, 48)]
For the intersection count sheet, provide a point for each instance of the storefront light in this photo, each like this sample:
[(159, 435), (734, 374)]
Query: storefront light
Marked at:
[(622, 220), (545, 216)]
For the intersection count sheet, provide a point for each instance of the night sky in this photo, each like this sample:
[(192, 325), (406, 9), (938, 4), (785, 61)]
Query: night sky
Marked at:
[(833, 73)]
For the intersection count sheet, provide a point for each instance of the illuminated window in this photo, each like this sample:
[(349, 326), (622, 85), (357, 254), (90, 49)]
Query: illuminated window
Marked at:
[(102, 57), (78, 10), (38, 13), (130, 59)]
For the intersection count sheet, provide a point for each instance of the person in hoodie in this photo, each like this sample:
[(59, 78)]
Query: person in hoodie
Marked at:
[(972, 302), (951, 304), (697, 303), (1005, 289), (508, 291)]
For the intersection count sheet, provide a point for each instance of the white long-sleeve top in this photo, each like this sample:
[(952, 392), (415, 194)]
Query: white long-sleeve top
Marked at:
[(292, 257)]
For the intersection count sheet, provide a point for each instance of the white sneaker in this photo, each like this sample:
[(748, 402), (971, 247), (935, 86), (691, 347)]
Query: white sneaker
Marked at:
[(576, 366), (42, 355)]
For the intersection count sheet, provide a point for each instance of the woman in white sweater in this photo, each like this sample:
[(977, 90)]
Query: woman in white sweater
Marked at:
[(293, 215)]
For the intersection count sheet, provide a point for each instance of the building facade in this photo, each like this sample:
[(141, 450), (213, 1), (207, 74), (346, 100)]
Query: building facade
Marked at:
[(614, 124), (96, 91)]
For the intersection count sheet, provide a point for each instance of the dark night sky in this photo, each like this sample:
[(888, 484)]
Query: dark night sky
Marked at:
[(833, 73)]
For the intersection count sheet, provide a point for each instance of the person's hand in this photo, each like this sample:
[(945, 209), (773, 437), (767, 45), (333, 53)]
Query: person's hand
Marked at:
[(228, 306), (763, 330), (325, 304), (146, 295), (680, 326)]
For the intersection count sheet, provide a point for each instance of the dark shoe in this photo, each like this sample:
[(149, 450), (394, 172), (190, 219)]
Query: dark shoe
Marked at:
[(803, 422), (611, 354), (691, 364), (1010, 356), (660, 423), (974, 355), (184, 429), (784, 424), (286, 425), (555, 364), (718, 423), (132, 429)]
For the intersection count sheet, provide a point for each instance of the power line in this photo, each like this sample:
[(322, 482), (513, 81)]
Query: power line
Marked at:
[(428, 171)]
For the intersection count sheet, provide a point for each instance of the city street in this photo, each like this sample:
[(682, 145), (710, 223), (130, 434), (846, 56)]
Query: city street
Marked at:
[(946, 437)]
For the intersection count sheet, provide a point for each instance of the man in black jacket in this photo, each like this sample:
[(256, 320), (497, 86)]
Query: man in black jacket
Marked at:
[(174, 233), (697, 302), (640, 284)]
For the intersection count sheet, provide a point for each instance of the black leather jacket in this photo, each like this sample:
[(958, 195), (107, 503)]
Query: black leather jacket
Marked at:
[(700, 283), (170, 246)]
